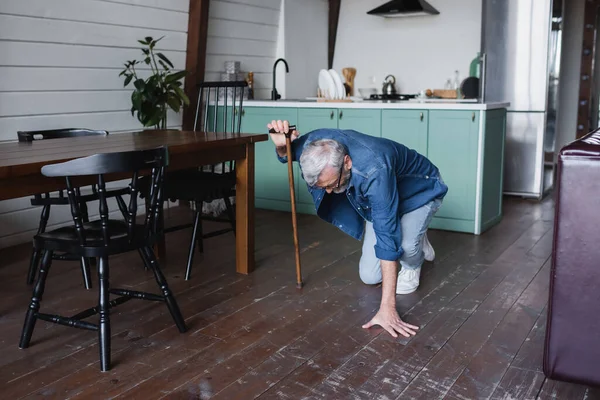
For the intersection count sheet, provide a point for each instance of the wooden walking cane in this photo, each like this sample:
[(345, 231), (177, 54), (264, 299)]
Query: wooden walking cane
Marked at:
[(288, 145)]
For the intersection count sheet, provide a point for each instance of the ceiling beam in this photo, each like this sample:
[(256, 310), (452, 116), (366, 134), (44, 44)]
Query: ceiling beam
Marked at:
[(334, 16)]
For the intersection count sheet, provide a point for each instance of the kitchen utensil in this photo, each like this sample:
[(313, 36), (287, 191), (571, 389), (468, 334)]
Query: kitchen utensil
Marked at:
[(470, 87), (389, 86), (339, 85), (288, 147), (327, 85), (349, 75)]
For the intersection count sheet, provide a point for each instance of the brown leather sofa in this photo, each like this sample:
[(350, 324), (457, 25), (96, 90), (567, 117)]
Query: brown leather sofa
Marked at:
[(572, 345)]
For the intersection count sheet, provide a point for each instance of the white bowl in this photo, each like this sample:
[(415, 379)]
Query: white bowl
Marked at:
[(365, 93)]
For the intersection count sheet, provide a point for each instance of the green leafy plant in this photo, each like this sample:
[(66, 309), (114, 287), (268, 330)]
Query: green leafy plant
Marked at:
[(161, 90)]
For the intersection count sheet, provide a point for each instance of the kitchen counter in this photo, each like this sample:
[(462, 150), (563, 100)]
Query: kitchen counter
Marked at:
[(413, 104)]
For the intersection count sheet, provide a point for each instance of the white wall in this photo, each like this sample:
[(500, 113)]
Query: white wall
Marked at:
[(421, 52), (245, 31), (570, 66), (59, 67)]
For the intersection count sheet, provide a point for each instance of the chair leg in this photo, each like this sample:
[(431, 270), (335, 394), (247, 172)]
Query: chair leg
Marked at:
[(104, 314), (199, 234), (166, 292), (230, 212), (197, 224), (36, 299), (144, 259), (85, 271), (35, 254)]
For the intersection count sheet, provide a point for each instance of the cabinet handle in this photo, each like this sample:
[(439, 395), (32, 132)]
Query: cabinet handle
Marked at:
[(341, 114), (421, 116), (473, 117), (331, 115)]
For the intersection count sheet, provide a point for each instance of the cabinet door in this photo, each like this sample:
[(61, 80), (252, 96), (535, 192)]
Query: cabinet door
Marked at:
[(365, 121), (272, 189), (407, 127), (310, 119), (452, 147)]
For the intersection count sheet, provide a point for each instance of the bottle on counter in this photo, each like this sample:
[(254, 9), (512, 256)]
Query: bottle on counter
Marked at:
[(250, 81), (457, 85)]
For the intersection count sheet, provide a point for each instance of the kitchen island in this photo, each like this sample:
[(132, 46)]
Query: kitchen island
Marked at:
[(465, 141)]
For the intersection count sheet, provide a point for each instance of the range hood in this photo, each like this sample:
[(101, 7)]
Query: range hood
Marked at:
[(404, 8)]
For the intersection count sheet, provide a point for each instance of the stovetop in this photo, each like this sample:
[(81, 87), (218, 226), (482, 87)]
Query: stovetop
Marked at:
[(397, 96)]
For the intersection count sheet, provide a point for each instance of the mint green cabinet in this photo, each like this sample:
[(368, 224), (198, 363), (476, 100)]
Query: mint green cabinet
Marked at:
[(271, 176), (310, 119), (408, 127), (366, 121), (467, 146), (453, 147)]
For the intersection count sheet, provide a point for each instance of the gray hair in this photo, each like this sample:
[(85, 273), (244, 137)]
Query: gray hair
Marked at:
[(319, 154)]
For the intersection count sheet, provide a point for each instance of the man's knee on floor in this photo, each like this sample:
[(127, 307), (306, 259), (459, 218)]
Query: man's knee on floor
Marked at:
[(369, 273)]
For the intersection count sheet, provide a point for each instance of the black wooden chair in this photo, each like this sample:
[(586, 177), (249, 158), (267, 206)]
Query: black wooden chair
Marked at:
[(219, 110), (103, 238), (47, 200)]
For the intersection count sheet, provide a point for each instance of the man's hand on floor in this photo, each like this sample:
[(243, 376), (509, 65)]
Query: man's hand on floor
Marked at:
[(388, 319)]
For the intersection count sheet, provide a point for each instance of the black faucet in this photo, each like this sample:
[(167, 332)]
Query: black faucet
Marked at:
[(274, 94)]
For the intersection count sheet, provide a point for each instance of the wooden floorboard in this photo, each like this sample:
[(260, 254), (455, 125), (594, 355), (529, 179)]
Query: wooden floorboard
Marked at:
[(480, 309)]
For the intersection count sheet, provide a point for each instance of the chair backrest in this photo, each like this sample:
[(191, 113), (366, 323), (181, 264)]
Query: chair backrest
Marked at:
[(154, 161), (219, 110), (30, 136)]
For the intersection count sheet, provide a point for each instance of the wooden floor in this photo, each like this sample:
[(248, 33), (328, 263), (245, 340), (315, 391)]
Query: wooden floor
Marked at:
[(481, 308)]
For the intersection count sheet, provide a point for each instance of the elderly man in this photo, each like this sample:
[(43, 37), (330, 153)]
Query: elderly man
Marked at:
[(354, 178)]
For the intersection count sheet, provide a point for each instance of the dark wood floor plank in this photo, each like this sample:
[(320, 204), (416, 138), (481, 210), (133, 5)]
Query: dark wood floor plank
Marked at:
[(283, 323), (554, 390), (519, 384), (522, 265), (486, 368)]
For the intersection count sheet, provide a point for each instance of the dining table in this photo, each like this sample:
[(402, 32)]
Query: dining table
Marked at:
[(21, 164)]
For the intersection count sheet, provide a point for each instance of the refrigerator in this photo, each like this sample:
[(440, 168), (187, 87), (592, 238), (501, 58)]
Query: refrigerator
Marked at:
[(521, 42)]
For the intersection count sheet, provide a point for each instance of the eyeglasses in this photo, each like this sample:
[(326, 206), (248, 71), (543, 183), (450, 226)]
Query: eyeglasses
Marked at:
[(337, 185)]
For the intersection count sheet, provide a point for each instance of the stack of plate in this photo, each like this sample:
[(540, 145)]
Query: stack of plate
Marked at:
[(331, 85)]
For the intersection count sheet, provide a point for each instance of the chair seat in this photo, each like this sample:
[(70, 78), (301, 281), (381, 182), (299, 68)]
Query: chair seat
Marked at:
[(66, 239), (87, 195)]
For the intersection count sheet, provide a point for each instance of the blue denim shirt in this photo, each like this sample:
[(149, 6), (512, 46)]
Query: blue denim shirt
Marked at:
[(388, 180)]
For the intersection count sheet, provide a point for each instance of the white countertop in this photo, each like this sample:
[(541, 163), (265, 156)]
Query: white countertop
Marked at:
[(412, 104)]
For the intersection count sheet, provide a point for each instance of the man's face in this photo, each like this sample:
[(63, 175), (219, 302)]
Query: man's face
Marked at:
[(335, 180)]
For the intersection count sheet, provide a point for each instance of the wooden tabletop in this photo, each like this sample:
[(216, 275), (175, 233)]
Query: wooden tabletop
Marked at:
[(21, 159)]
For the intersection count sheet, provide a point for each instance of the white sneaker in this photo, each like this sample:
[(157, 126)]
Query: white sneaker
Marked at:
[(428, 248), (408, 280)]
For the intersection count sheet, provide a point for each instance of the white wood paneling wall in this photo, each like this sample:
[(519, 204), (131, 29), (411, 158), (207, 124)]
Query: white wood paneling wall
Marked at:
[(245, 31), (59, 67)]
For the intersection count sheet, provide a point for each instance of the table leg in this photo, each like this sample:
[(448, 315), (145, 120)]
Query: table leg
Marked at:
[(244, 217)]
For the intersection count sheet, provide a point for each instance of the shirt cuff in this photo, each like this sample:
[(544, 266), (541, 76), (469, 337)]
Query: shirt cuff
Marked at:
[(388, 255), (281, 159)]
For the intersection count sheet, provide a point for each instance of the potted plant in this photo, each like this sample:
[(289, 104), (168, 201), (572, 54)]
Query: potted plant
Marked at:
[(152, 97)]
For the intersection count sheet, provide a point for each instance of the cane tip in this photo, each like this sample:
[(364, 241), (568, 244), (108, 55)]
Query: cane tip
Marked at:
[(299, 285)]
